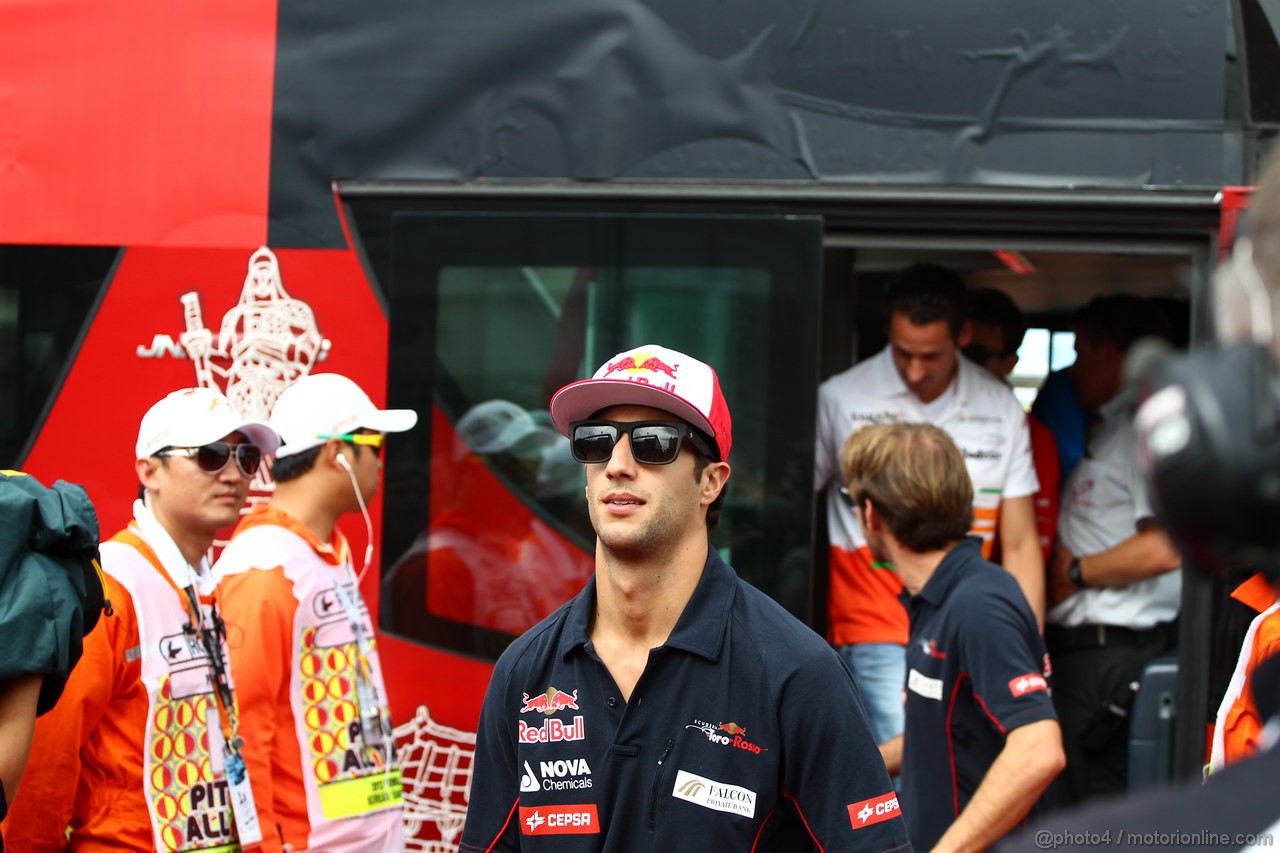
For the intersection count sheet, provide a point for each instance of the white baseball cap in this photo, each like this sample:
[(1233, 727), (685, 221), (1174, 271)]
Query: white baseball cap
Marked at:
[(328, 404), (196, 416), (651, 375)]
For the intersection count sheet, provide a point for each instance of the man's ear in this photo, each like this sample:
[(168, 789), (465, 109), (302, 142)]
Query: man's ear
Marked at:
[(147, 472), (965, 337), (714, 478), (870, 518)]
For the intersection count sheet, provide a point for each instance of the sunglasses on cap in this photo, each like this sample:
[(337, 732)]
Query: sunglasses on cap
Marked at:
[(214, 456), (362, 439), (652, 442)]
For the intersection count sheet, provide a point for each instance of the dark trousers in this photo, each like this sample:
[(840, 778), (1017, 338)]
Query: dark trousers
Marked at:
[(1095, 675)]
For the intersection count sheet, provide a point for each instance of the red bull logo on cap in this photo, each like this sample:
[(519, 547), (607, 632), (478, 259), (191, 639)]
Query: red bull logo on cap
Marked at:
[(551, 701), (641, 361)]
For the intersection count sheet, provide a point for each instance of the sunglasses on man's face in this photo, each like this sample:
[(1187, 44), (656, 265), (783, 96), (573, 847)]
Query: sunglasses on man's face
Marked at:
[(652, 442), (213, 457), (979, 354)]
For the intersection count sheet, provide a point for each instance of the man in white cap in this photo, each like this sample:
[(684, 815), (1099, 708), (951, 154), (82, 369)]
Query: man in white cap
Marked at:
[(142, 751), (317, 728), (669, 705)]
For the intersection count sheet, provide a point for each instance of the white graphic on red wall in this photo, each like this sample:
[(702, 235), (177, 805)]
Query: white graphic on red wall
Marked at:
[(436, 764), (266, 342)]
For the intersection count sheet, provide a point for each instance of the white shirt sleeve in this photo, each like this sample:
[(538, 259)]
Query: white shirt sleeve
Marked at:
[(1022, 480)]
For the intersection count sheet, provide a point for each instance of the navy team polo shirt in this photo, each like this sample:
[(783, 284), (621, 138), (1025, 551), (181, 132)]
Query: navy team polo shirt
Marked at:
[(744, 733), (976, 670)]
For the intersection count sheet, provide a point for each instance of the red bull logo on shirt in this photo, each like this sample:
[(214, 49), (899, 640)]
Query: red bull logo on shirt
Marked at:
[(552, 731), (550, 702)]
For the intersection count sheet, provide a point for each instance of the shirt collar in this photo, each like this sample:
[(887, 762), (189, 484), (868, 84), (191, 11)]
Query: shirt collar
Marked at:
[(701, 627), (334, 552), (939, 584), (182, 573), (887, 377)]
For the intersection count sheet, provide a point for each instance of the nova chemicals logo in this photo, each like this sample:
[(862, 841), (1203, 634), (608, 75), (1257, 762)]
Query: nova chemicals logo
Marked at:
[(874, 810), (559, 775), (560, 820), (529, 780)]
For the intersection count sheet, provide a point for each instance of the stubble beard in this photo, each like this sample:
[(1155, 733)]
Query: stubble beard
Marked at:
[(637, 538)]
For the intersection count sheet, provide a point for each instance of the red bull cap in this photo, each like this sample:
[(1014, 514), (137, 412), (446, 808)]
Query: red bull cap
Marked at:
[(654, 376)]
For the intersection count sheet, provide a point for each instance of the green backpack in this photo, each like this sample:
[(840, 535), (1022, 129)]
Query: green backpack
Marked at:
[(52, 589)]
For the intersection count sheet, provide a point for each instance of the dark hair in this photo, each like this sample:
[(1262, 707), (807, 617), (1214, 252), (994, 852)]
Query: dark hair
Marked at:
[(286, 468), (1121, 319), (997, 308), (926, 293), (917, 479)]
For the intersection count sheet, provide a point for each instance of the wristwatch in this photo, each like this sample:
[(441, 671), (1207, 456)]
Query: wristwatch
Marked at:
[(1073, 573)]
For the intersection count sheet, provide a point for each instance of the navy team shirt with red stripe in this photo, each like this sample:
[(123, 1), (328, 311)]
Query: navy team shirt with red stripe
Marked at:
[(744, 732), (976, 670)]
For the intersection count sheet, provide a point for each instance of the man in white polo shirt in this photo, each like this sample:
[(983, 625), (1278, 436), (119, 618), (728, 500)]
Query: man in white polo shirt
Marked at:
[(1113, 584), (920, 376)]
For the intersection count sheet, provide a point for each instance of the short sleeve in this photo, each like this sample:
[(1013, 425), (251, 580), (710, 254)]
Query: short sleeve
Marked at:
[(1021, 480), (832, 771), (826, 449), (1006, 658), (495, 787)]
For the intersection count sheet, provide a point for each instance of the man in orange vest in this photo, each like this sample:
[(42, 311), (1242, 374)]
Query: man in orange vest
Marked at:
[(141, 751)]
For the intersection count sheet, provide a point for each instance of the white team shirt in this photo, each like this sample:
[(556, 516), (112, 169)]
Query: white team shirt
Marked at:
[(982, 416), (1103, 502)]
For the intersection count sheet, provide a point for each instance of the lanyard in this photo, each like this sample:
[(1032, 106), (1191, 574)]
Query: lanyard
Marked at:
[(374, 728), (243, 810), (211, 638)]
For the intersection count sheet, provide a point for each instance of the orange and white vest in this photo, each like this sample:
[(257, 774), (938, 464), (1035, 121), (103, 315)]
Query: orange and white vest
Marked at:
[(321, 779)]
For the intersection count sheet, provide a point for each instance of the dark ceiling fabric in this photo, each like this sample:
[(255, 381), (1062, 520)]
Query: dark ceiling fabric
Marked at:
[(1003, 94)]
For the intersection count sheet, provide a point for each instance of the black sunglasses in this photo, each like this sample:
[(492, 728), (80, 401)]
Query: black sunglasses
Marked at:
[(979, 354), (215, 456), (652, 442)]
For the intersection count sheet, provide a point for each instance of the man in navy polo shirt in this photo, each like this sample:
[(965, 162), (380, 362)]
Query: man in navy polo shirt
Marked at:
[(669, 705), (981, 743)]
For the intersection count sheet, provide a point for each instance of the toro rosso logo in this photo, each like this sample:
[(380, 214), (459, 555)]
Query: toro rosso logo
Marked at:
[(641, 361), (874, 810), (549, 702), (727, 734), (930, 648)]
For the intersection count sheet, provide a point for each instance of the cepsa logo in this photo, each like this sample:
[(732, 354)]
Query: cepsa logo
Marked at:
[(874, 810), (560, 820), (1029, 683)]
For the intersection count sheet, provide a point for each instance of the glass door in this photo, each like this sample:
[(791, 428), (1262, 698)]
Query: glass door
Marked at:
[(485, 527)]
